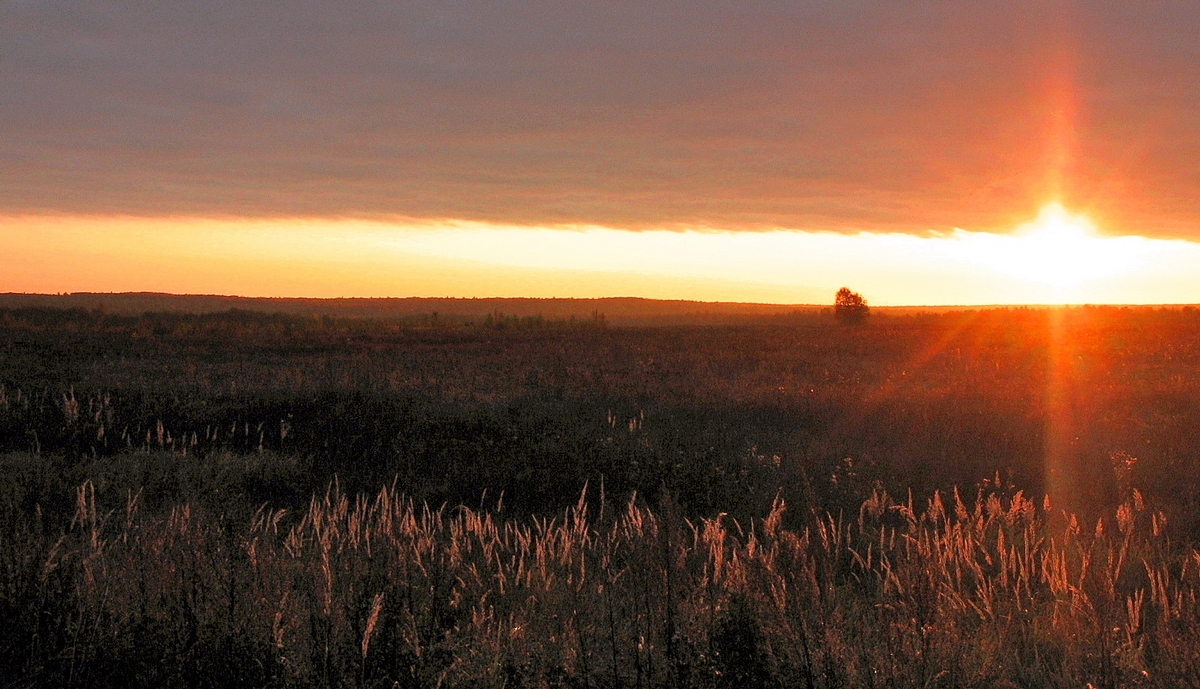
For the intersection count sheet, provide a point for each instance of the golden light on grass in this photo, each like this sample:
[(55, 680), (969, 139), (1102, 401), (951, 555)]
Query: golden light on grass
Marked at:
[(497, 593)]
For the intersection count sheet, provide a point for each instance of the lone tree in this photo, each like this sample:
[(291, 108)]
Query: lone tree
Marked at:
[(849, 307)]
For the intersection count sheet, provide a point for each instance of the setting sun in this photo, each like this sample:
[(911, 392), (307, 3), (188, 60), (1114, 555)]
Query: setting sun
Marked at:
[(1059, 257), (1062, 250)]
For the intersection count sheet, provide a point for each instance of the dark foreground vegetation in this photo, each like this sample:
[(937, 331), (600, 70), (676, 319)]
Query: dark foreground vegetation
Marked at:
[(195, 500)]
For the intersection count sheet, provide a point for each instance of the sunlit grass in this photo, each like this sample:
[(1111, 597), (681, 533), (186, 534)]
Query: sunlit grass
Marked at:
[(371, 591)]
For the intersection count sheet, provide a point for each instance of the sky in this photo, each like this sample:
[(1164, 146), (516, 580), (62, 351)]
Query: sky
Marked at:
[(919, 152)]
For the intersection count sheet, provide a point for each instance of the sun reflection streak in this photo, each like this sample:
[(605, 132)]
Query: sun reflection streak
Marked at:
[(1061, 462)]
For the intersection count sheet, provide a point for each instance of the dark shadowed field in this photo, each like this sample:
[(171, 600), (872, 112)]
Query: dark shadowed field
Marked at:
[(769, 500)]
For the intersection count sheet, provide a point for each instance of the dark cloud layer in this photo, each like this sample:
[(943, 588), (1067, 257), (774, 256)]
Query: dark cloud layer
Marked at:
[(817, 114)]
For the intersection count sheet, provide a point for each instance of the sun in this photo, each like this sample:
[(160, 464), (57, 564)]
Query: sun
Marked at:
[(1058, 249)]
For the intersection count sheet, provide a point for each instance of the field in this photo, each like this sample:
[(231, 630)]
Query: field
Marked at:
[(1002, 497)]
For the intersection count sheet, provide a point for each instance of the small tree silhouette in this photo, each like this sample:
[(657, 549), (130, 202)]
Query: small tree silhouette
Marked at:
[(849, 307)]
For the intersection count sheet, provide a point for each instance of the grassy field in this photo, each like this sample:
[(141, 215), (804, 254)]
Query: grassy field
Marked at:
[(1005, 497)]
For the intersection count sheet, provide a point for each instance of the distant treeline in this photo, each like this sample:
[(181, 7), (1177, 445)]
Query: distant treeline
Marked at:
[(238, 324), (623, 310)]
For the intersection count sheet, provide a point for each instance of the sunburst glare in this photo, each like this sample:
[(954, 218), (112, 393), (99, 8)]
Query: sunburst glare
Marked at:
[(1058, 249)]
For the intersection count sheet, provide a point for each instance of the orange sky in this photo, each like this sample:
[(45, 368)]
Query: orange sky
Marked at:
[(711, 150), (1057, 258)]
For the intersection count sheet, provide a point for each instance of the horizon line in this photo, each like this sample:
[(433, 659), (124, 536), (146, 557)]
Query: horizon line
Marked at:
[(981, 306)]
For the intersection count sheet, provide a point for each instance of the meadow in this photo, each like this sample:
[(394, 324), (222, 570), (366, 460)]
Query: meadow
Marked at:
[(1002, 497)]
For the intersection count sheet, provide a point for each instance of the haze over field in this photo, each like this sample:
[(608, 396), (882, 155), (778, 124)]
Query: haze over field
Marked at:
[(923, 152)]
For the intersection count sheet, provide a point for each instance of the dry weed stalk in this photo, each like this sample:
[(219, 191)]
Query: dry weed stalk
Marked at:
[(374, 591)]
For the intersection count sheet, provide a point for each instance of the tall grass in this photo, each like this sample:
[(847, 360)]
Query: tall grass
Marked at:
[(384, 592)]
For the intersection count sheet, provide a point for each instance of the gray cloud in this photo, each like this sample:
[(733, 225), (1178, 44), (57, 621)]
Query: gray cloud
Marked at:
[(847, 115)]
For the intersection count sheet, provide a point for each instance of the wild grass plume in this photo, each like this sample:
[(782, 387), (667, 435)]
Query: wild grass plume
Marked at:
[(380, 591)]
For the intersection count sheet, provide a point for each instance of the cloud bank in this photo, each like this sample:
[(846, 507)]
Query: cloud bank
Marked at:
[(814, 115)]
